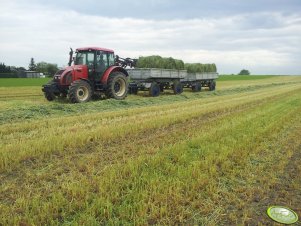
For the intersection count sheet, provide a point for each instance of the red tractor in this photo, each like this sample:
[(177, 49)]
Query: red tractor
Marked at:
[(95, 71)]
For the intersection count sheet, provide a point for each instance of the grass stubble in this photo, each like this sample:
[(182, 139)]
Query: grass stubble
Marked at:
[(217, 160)]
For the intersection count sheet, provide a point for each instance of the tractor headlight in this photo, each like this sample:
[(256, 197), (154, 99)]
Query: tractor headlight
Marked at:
[(58, 74), (57, 77)]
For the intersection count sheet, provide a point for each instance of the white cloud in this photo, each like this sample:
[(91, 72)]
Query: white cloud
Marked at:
[(232, 42)]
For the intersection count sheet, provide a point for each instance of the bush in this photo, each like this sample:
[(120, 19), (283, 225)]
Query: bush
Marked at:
[(244, 72)]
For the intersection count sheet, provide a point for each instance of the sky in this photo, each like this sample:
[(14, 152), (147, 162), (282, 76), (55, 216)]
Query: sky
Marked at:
[(262, 36)]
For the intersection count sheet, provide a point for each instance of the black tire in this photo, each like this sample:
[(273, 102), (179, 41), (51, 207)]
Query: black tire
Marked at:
[(80, 91), (154, 90), (49, 96), (212, 85), (177, 87), (117, 86), (197, 87), (133, 89), (161, 88)]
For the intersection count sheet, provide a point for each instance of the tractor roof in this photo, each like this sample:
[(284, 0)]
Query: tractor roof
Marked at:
[(95, 48)]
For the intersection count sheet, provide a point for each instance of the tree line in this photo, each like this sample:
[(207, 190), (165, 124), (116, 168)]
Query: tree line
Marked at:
[(47, 69), (4, 68), (43, 67), (171, 63)]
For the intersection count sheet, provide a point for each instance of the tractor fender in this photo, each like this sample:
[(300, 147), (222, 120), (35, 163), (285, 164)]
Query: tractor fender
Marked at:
[(110, 70), (86, 80), (63, 77)]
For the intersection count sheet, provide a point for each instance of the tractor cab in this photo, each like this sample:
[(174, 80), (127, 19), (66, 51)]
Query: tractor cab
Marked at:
[(97, 60)]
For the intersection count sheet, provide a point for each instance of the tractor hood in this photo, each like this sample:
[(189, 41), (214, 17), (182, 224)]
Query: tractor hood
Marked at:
[(71, 73)]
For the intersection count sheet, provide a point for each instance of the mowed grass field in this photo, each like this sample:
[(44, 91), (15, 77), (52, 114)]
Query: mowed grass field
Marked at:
[(208, 158)]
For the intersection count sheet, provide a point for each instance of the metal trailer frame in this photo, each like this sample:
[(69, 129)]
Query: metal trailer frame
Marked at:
[(155, 80), (196, 81)]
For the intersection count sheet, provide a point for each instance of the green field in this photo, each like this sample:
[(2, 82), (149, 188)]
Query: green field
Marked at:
[(243, 77), (19, 82), (208, 158)]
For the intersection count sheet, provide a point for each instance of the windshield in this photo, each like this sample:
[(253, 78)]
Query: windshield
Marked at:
[(84, 57)]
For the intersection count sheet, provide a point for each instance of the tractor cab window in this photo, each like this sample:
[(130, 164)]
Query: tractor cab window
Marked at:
[(90, 60), (111, 59), (86, 58), (101, 61), (80, 58)]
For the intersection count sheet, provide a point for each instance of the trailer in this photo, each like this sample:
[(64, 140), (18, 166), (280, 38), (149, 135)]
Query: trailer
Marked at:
[(155, 80), (196, 81)]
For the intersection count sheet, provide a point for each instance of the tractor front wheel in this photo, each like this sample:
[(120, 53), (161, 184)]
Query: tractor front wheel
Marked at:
[(49, 96), (80, 91), (117, 86)]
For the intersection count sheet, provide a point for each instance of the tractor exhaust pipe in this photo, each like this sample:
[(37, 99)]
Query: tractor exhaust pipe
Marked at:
[(70, 56)]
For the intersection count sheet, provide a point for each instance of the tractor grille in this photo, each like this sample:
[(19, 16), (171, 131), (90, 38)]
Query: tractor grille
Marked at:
[(57, 75)]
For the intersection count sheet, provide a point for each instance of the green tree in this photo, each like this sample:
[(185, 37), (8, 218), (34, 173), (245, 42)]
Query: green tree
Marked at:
[(52, 69), (4, 68), (47, 68), (244, 72), (42, 67), (32, 66)]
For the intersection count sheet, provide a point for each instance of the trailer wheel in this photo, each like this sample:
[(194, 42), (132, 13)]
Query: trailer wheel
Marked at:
[(117, 86), (133, 89), (161, 88), (80, 91), (197, 87), (154, 90), (212, 85), (177, 87)]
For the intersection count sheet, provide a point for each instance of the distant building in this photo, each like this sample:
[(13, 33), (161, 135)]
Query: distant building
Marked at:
[(29, 74)]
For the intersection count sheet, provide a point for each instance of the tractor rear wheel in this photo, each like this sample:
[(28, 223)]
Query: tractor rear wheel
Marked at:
[(80, 91), (177, 87), (117, 86)]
